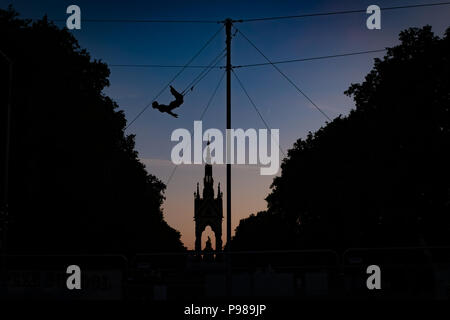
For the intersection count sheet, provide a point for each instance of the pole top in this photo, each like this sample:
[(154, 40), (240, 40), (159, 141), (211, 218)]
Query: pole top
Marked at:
[(230, 21)]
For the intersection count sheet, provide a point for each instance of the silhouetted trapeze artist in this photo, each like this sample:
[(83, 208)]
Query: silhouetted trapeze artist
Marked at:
[(172, 105)]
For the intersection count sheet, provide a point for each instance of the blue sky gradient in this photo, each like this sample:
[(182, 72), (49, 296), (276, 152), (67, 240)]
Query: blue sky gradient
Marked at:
[(324, 81)]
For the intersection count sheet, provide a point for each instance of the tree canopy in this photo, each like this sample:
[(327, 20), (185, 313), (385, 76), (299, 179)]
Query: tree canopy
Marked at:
[(377, 177), (77, 184)]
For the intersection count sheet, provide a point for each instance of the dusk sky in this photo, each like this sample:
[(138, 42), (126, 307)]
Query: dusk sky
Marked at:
[(324, 81)]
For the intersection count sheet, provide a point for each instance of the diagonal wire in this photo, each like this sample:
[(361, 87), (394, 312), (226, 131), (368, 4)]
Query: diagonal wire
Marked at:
[(246, 65), (176, 76), (309, 59), (285, 76), (212, 96), (212, 65), (201, 117), (255, 107), (158, 66), (341, 12), (421, 5), (205, 74), (138, 20), (171, 175)]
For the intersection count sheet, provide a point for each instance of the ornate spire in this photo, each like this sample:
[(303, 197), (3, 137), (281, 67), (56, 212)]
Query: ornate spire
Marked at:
[(197, 194), (208, 152), (208, 181)]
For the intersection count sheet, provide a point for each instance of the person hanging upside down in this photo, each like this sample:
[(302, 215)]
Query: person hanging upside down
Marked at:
[(172, 105)]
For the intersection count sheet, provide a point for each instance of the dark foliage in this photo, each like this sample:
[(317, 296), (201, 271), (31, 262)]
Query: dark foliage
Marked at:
[(377, 177), (76, 182)]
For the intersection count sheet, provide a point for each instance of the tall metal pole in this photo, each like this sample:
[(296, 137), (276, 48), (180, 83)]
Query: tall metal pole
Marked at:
[(4, 205), (228, 23)]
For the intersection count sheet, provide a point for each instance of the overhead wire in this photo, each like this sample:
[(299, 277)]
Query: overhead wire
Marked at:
[(176, 76), (255, 107), (201, 117), (248, 65), (285, 76), (158, 66), (212, 65), (309, 59), (209, 67), (340, 12), (300, 16), (140, 20)]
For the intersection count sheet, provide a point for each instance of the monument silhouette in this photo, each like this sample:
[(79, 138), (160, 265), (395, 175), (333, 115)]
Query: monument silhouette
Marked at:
[(208, 211)]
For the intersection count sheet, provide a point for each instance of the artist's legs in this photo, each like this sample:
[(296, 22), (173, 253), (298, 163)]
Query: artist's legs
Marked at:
[(175, 104), (176, 94)]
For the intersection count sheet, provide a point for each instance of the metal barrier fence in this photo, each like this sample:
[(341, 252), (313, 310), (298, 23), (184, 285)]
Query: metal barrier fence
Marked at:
[(406, 273), (44, 277)]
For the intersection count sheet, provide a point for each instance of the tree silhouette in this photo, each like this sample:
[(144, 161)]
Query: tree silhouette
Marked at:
[(76, 181), (377, 177)]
